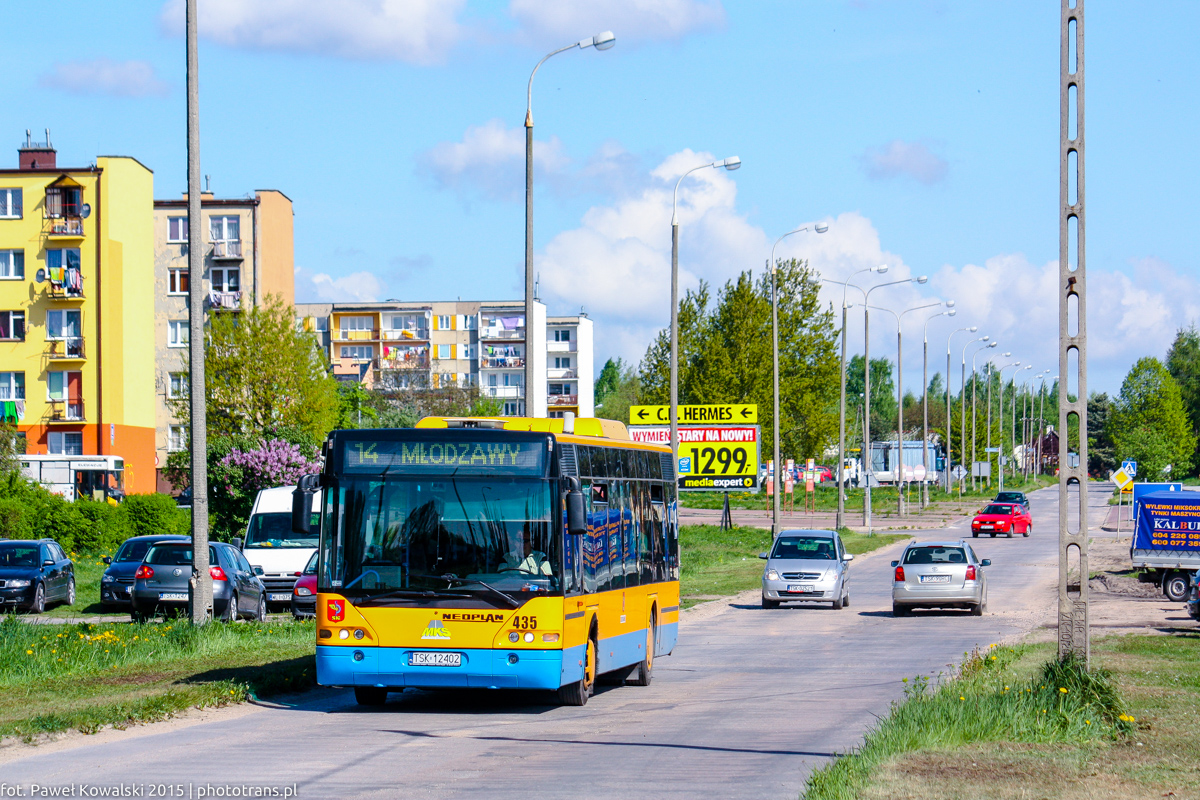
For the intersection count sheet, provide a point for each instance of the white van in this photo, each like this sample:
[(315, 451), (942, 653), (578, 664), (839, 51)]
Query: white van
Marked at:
[(271, 544)]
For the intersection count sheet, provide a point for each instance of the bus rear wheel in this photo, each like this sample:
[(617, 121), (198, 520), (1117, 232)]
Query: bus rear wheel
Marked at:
[(578, 692), (645, 670)]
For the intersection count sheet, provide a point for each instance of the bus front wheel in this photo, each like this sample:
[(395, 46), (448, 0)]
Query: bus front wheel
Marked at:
[(370, 695), (645, 670), (577, 693)]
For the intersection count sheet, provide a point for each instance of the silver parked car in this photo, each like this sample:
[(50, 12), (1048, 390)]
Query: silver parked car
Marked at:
[(939, 575), (806, 565)]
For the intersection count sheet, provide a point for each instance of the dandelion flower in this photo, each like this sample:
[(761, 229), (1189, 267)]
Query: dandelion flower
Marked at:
[(1062, 689), (960, 697), (28, 652), (1087, 722)]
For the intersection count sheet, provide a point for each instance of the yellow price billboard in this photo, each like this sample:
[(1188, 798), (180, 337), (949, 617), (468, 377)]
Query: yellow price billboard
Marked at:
[(715, 458)]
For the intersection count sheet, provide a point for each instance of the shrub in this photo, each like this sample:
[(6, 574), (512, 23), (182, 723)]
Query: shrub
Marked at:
[(154, 514)]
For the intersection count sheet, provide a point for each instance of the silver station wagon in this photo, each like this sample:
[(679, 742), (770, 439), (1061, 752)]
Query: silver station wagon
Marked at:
[(806, 565), (939, 575)]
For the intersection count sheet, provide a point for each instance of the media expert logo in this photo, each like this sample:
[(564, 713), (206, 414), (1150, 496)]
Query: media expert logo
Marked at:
[(435, 630), (335, 610), (716, 483)]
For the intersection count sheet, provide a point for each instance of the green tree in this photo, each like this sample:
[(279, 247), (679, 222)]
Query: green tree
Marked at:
[(1102, 456), (355, 409), (625, 393), (606, 384), (260, 373), (726, 356), (1183, 362), (883, 393), (1148, 422)]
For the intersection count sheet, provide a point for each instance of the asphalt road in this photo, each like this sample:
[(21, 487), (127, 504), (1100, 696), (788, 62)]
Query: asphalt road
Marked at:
[(749, 703)]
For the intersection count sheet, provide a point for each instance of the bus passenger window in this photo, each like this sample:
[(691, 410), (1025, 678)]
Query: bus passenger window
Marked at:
[(613, 461), (583, 459), (599, 493)]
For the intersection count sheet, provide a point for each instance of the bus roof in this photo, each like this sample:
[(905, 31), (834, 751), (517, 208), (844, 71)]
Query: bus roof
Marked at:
[(584, 426)]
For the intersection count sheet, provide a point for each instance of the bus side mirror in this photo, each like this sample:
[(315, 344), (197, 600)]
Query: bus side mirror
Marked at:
[(302, 499), (576, 516)]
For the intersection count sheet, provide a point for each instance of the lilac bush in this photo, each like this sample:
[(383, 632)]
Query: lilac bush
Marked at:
[(246, 468)]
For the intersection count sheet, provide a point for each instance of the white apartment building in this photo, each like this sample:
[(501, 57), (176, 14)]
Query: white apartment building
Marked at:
[(414, 345)]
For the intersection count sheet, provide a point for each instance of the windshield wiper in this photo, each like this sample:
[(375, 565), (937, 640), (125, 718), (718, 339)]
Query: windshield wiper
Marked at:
[(412, 594), (509, 599)]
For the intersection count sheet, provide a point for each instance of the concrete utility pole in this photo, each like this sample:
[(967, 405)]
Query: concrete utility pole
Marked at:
[(200, 589), (1073, 619)]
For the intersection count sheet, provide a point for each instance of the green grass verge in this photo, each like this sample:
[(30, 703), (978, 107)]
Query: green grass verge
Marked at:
[(721, 563), (63, 677), (1000, 695)]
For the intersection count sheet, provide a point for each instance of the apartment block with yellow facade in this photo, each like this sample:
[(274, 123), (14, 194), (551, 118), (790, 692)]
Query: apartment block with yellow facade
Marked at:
[(396, 345), (76, 290), (248, 256)]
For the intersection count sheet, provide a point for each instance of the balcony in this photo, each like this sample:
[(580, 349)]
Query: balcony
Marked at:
[(357, 336), (405, 334), (557, 373), (403, 361), (501, 391), (225, 301), (502, 362), (502, 334), (65, 227), (70, 349), (563, 399), (66, 411), (229, 250), (65, 285), (562, 347)]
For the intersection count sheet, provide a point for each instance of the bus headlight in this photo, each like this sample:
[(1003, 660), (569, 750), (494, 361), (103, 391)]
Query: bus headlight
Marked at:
[(343, 634), (514, 637), (528, 638)]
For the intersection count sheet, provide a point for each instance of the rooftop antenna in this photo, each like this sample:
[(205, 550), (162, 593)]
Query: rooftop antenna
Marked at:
[(207, 178), (28, 138), (537, 294), (47, 137)]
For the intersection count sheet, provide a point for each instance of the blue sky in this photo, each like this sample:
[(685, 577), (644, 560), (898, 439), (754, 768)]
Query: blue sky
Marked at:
[(924, 132)]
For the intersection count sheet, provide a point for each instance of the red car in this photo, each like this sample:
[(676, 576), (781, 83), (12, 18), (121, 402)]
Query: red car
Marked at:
[(1006, 518), (304, 593)]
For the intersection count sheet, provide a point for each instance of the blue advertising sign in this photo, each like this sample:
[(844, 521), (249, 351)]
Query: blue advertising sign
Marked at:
[(1142, 489), (1168, 521)]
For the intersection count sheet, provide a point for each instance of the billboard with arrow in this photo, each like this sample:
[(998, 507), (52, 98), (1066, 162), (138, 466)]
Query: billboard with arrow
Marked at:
[(721, 414)]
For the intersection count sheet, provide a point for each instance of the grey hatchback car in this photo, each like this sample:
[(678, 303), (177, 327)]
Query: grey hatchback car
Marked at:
[(806, 565), (161, 582), (939, 575)]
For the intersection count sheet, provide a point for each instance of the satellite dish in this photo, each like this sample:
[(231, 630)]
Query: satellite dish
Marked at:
[(40, 277), (85, 211)]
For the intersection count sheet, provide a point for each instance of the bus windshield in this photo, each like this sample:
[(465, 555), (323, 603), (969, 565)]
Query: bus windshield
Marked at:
[(411, 539)]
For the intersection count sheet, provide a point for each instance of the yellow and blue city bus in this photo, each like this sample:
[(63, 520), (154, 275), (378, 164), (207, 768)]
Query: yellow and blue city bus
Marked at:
[(493, 553)]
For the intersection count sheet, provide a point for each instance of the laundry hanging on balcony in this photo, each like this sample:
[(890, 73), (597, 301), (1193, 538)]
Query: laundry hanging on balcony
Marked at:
[(512, 323), (12, 411)]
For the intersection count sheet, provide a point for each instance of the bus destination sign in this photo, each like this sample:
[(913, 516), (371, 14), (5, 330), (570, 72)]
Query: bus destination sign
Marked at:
[(446, 457)]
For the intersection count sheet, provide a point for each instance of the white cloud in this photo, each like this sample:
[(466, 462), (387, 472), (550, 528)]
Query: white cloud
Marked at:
[(490, 159), (564, 21), (898, 158), (413, 31), (320, 287), (106, 77)]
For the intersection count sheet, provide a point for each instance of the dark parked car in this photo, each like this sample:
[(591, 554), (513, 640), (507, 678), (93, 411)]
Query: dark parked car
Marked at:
[(118, 578), (161, 582), (34, 573), (1012, 497), (304, 593), (1193, 597)]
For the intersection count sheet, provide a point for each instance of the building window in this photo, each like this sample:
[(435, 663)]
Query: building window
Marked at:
[(58, 260), (226, 280), (356, 324), (177, 385), (177, 229), (63, 201), (62, 324), (470, 322), (224, 229), (64, 444), (12, 264), (358, 352), (445, 351), (322, 324), (557, 388), (445, 322), (562, 363), (178, 333), (562, 336), (12, 325), (491, 379), (176, 438), (12, 385), (512, 409), (177, 281), (10, 204)]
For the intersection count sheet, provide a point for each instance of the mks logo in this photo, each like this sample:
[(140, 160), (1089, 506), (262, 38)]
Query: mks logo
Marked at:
[(335, 610), (435, 630)]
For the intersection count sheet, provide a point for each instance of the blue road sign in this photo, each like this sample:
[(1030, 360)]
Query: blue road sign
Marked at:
[(1130, 467)]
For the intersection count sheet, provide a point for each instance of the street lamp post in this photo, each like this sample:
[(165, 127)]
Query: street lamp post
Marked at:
[(819, 227), (1013, 438), (925, 400), (999, 420), (974, 413), (846, 284), (1042, 418), (949, 438), (962, 418), (729, 164), (601, 41), (867, 391)]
